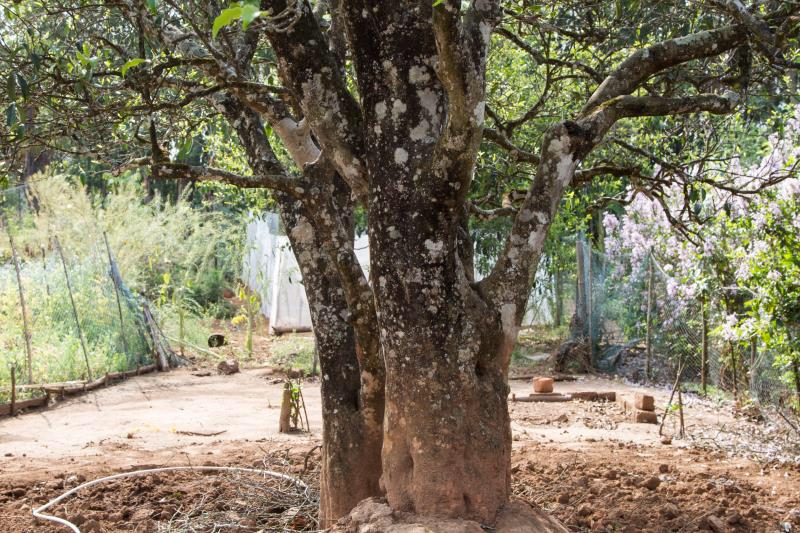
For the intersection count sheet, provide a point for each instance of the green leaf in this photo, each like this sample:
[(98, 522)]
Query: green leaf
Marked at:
[(11, 87), (11, 115), (225, 17), (438, 3), (250, 12), (23, 86), (130, 64), (151, 5)]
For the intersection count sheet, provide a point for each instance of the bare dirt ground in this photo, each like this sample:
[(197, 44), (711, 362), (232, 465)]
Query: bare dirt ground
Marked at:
[(583, 462)]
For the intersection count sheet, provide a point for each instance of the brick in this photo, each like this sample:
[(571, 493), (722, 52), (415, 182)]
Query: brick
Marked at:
[(590, 396), (643, 417), (645, 402), (542, 384)]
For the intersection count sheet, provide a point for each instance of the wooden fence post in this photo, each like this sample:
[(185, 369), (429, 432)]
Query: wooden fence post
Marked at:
[(13, 389), (25, 327), (74, 308), (116, 293), (649, 353)]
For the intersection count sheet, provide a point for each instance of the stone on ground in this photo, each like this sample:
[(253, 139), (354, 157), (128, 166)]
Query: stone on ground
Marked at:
[(374, 515), (231, 366)]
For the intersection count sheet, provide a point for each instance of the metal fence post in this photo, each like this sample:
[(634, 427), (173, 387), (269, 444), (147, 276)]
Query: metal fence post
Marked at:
[(74, 308), (25, 327)]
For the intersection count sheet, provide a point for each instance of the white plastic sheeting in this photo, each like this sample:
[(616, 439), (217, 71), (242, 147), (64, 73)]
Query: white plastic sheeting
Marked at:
[(271, 270)]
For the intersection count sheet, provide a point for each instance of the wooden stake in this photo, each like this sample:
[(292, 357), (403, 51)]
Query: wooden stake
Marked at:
[(284, 423), (74, 308), (303, 403), (25, 328), (680, 410), (13, 388), (671, 396)]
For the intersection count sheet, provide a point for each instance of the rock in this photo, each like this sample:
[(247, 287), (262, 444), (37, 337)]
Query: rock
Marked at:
[(563, 498), (373, 515), (611, 474), (666, 440), (231, 366), (663, 469), (16, 493), (585, 510), (669, 511), (734, 518), (643, 417), (652, 483), (715, 524), (91, 526), (77, 519), (542, 384), (645, 402)]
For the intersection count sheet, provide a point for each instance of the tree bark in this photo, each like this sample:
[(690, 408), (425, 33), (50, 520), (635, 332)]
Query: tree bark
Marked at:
[(352, 398), (447, 440)]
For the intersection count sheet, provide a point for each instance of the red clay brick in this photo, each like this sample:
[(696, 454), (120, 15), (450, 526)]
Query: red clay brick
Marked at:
[(542, 384), (645, 402)]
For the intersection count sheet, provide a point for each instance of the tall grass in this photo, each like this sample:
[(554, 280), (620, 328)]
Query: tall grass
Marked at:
[(178, 256)]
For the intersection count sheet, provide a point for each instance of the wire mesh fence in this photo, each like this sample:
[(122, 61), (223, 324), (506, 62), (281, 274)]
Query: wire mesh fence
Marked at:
[(64, 315), (643, 324)]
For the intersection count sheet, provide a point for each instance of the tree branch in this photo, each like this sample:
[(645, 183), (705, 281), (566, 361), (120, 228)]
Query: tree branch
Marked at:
[(648, 61)]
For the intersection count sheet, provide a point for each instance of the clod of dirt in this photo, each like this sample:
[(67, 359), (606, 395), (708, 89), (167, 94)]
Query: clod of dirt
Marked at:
[(563, 498), (734, 518), (662, 468), (91, 526), (652, 483), (669, 511), (231, 366), (611, 474), (715, 524)]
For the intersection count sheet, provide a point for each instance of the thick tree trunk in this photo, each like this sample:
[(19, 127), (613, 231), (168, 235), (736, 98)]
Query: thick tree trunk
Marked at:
[(352, 399), (447, 440)]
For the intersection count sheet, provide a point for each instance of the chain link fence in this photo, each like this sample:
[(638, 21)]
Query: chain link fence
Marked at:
[(645, 326), (65, 312)]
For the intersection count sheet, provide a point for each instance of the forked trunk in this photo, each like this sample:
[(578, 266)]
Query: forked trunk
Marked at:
[(352, 399)]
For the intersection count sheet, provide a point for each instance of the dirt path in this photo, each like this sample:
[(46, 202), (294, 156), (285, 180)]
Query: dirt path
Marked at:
[(583, 462), (138, 422)]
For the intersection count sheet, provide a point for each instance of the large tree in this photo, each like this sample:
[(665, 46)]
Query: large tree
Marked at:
[(344, 107)]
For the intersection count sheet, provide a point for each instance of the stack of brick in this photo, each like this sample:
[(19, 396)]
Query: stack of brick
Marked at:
[(641, 408)]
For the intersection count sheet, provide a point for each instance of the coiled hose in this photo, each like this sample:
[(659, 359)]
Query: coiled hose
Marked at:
[(39, 512)]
